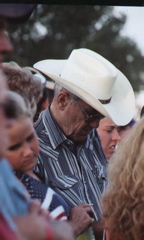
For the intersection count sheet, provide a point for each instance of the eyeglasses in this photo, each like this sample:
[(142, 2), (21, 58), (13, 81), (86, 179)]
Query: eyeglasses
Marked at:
[(90, 118)]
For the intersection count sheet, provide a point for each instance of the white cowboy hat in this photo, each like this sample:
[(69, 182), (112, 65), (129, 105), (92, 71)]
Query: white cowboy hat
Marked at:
[(96, 81)]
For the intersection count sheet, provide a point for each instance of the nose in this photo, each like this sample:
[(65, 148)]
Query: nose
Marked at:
[(116, 136), (5, 44), (27, 151)]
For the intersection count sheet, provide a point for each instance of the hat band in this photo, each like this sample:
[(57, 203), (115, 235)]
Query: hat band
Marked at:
[(105, 101)]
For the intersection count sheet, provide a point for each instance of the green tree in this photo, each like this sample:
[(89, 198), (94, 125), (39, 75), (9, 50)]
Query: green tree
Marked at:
[(66, 27)]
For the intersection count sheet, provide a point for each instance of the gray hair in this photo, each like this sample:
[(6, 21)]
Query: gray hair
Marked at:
[(58, 88)]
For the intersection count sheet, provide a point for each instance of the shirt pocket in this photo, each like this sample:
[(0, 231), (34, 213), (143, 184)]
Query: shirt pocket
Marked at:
[(63, 182), (100, 176), (99, 172)]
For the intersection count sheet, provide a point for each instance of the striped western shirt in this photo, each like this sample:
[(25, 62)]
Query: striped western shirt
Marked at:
[(77, 173)]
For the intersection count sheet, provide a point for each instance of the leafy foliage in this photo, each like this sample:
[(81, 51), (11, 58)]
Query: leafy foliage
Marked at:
[(53, 31)]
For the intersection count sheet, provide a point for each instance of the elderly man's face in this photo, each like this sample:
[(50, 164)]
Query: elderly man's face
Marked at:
[(74, 119)]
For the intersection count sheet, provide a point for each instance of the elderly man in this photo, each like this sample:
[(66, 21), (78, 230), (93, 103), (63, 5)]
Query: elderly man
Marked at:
[(71, 160)]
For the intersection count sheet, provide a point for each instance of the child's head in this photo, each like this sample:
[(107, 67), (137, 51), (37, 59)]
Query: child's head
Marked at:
[(23, 147)]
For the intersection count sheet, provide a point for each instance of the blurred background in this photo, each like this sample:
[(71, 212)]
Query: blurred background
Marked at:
[(115, 32)]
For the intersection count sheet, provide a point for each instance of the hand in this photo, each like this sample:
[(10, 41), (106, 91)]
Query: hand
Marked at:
[(81, 218), (35, 208), (61, 230), (34, 225)]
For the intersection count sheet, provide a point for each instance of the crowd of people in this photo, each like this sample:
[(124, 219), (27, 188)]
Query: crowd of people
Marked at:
[(71, 166)]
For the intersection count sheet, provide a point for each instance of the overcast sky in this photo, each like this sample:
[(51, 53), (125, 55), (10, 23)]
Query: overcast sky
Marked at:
[(134, 26)]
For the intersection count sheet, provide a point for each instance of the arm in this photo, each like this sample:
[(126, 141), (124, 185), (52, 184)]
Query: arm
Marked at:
[(37, 228)]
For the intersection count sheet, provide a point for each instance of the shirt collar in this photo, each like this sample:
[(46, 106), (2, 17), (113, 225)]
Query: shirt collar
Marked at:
[(55, 134)]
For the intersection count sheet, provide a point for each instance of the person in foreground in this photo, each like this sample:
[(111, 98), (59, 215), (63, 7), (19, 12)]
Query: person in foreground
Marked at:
[(16, 207), (71, 159), (20, 218), (123, 202), (109, 135)]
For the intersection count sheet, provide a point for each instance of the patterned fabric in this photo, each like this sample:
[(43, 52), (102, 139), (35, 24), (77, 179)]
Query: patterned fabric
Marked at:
[(50, 200), (77, 173)]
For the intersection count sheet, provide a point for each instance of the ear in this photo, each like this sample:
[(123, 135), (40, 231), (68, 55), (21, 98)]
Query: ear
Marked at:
[(63, 100)]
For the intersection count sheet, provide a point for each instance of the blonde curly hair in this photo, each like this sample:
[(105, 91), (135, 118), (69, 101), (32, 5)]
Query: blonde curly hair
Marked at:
[(123, 202)]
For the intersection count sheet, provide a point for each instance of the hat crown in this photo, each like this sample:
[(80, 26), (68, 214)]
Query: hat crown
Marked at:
[(88, 69), (96, 81)]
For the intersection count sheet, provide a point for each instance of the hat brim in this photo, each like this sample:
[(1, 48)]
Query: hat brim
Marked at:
[(122, 105)]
